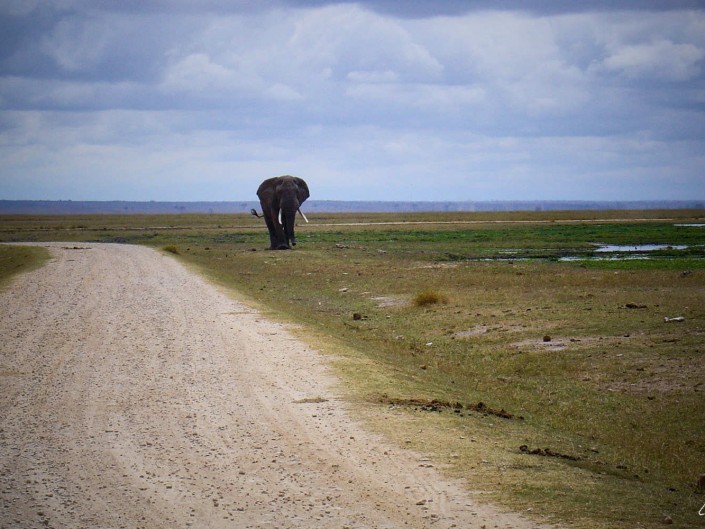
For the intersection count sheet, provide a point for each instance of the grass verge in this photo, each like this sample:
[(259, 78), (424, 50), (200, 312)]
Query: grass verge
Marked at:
[(18, 259)]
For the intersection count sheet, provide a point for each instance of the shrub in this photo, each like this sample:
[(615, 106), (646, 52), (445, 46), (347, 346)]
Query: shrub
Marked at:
[(171, 249), (429, 297)]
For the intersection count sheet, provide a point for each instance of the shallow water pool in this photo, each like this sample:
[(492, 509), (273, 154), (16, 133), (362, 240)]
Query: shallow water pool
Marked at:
[(612, 248)]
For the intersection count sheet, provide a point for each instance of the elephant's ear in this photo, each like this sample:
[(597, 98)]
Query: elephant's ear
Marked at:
[(303, 193), (267, 187)]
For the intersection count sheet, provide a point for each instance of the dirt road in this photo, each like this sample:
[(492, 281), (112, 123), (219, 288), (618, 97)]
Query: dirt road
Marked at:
[(133, 393)]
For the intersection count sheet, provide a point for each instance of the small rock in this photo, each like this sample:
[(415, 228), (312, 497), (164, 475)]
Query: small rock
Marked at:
[(667, 520), (547, 338), (357, 316)]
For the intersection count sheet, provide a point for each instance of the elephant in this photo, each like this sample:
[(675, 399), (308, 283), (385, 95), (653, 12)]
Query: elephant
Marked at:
[(281, 197)]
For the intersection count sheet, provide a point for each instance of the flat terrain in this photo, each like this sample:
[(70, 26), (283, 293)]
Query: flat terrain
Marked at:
[(135, 394)]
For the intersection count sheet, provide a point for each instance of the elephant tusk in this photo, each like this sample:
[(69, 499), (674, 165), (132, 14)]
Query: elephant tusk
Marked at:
[(304, 216), (280, 216)]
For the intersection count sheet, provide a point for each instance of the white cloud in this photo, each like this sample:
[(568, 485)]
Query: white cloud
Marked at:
[(434, 97), (551, 88), (198, 73), (489, 45), (283, 92), (654, 46), (515, 59), (78, 44), (346, 38), (661, 60), (375, 76)]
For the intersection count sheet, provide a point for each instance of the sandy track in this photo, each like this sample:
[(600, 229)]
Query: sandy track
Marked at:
[(135, 394)]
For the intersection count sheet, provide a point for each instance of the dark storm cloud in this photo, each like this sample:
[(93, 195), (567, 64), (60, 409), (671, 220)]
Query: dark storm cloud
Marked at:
[(428, 8), (90, 46)]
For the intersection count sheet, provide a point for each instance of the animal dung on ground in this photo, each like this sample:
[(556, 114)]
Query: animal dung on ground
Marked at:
[(546, 452), (440, 405), (311, 400)]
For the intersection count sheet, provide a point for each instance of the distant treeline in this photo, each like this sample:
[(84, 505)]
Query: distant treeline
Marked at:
[(71, 207)]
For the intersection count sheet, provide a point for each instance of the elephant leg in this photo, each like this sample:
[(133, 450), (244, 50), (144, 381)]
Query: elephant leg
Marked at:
[(273, 243), (288, 225), (277, 237), (282, 239)]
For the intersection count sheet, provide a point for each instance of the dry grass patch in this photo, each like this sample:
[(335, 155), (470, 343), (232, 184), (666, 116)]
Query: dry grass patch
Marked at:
[(171, 249), (429, 297)]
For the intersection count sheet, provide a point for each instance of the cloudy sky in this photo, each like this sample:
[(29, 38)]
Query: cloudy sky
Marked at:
[(369, 100)]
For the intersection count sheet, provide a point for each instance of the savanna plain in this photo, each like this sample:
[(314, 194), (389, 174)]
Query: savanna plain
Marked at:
[(554, 379)]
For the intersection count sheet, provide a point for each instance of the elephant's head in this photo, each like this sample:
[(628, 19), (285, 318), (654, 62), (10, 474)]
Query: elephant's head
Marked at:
[(281, 197)]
